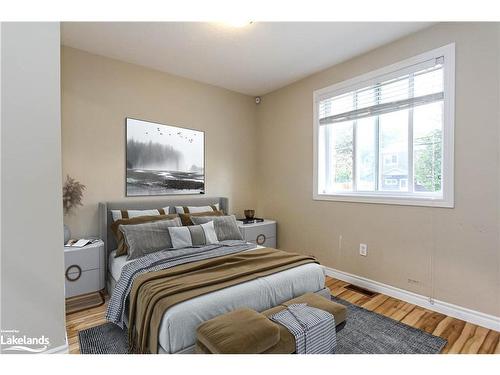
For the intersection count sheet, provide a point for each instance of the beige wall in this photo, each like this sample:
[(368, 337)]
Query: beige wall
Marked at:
[(98, 93), (453, 253)]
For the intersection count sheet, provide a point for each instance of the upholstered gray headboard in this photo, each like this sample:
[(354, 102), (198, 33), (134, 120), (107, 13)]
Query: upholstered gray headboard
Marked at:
[(105, 208)]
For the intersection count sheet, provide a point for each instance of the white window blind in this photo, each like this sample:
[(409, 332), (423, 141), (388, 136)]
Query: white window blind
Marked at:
[(387, 136), (422, 85)]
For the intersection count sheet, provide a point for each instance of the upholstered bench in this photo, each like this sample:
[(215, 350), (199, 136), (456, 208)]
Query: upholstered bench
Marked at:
[(245, 331)]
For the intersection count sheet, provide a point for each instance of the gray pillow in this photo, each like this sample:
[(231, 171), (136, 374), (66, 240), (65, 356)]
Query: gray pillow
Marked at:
[(225, 226), (193, 235), (142, 239)]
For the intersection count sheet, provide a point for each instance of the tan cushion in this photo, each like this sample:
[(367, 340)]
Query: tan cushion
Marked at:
[(186, 218), (242, 331), (286, 345), (199, 348), (122, 246), (315, 300)]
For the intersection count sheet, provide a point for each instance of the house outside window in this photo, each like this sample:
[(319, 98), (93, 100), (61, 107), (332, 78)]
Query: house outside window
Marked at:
[(387, 136)]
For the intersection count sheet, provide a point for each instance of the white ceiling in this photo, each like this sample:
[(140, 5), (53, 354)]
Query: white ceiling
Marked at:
[(253, 60)]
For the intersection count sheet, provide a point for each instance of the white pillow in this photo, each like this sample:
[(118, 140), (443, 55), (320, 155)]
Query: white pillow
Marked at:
[(122, 214), (194, 235), (196, 209)]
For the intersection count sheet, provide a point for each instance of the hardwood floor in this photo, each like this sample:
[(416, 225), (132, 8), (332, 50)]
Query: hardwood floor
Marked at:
[(462, 337), (82, 320)]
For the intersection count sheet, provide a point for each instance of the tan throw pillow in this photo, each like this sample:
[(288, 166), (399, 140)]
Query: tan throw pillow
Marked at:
[(186, 218), (129, 214), (196, 209), (122, 246)]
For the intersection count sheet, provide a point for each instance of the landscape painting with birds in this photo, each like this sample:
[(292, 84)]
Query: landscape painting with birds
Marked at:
[(164, 159)]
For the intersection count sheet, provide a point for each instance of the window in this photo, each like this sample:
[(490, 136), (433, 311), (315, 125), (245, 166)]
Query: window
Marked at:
[(387, 136), (390, 181), (391, 159)]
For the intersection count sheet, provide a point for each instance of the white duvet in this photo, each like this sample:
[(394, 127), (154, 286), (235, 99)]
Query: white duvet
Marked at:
[(178, 327)]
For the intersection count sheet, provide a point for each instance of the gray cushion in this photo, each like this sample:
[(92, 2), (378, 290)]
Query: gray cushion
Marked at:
[(225, 226), (193, 235), (142, 239)]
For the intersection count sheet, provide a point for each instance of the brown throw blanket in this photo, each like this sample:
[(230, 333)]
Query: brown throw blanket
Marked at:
[(154, 293)]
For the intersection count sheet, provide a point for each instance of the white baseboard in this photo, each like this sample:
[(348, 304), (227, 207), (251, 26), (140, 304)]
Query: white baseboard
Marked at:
[(455, 311)]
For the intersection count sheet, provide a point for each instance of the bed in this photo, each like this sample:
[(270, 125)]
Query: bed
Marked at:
[(178, 325)]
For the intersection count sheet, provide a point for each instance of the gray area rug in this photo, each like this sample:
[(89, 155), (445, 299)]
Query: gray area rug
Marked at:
[(107, 338), (365, 332)]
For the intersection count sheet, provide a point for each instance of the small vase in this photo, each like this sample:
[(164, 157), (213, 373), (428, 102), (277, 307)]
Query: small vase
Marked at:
[(67, 234), (249, 214)]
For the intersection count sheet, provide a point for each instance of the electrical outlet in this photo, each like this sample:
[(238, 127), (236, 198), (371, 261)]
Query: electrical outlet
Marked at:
[(363, 249)]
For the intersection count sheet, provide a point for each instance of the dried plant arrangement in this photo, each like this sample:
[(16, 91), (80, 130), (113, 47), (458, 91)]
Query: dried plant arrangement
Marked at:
[(72, 194)]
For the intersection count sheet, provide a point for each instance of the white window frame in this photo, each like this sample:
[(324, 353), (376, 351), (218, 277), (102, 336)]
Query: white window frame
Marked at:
[(389, 197)]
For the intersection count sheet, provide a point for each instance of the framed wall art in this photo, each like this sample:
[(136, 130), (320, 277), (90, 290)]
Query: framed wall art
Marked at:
[(164, 159)]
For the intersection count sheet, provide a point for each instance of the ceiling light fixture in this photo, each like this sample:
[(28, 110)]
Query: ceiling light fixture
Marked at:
[(237, 23)]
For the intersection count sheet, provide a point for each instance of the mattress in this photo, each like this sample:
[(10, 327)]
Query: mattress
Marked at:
[(178, 326), (116, 264)]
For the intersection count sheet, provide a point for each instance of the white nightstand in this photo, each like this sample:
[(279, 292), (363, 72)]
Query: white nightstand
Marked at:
[(263, 233), (84, 269)]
